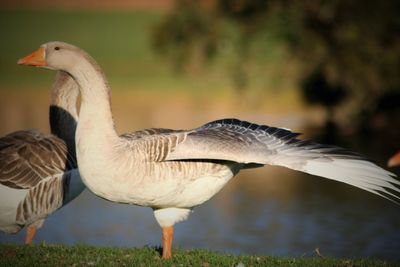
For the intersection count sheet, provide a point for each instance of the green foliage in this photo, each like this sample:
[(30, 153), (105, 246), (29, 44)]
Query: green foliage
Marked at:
[(82, 255), (357, 41), (185, 31), (195, 30), (354, 44)]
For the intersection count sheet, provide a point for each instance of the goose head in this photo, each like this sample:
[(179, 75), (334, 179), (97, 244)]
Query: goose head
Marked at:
[(55, 56)]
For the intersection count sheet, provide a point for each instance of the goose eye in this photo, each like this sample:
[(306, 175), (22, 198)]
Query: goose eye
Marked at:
[(56, 48)]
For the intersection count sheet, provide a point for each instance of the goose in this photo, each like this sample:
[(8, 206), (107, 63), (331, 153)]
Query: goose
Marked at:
[(38, 172), (173, 171), (394, 160)]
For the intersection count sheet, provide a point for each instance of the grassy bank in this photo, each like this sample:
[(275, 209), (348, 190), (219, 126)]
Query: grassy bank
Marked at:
[(58, 255)]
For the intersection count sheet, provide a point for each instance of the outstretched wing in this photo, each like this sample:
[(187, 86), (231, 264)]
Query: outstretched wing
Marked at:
[(27, 157), (244, 142), (148, 132)]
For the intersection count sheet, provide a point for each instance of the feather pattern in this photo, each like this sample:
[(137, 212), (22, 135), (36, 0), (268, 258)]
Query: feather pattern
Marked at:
[(244, 142), (180, 159), (27, 157), (41, 200), (38, 172)]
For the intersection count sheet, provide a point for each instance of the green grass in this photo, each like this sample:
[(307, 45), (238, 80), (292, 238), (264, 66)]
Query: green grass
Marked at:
[(119, 40), (121, 43), (59, 255)]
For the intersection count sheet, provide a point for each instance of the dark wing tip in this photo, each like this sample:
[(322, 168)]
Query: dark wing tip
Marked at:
[(273, 131), (287, 136)]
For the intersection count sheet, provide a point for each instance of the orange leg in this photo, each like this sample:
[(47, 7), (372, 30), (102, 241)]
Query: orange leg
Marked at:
[(30, 234), (168, 235)]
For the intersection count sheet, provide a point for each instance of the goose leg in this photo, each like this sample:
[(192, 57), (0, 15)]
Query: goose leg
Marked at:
[(168, 235), (166, 218), (30, 234)]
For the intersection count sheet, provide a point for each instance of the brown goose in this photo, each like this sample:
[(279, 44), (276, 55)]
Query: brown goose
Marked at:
[(38, 172), (173, 171)]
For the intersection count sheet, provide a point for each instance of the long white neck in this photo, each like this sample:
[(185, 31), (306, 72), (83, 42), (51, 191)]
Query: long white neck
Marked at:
[(63, 112), (95, 134), (95, 99)]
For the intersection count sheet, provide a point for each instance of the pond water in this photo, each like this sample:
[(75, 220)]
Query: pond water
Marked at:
[(265, 211)]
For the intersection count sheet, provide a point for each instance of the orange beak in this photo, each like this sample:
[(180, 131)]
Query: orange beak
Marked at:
[(37, 58), (395, 160)]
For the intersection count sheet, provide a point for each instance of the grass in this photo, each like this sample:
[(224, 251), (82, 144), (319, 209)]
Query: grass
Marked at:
[(82, 255), (121, 42), (118, 40)]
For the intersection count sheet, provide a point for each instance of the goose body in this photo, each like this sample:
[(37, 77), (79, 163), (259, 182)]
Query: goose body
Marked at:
[(172, 171), (38, 172)]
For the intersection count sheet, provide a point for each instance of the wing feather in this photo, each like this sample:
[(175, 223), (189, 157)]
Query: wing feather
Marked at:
[(255, 145), (245, 142), (27, 157)]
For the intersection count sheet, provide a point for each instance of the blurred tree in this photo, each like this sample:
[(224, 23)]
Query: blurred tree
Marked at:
[(317, 89), (187, 31), (357, 43)]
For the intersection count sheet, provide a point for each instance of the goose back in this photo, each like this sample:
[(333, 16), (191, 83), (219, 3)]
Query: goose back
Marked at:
[(38, 171)]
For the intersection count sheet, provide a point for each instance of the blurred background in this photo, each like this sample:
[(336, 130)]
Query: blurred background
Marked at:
[(329, 69)]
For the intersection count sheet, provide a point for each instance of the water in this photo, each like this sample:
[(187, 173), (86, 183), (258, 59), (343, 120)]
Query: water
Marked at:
[(267, 211)]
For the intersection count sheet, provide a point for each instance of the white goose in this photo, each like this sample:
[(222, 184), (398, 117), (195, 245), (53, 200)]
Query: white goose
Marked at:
[(38, 172), (173, 171)]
